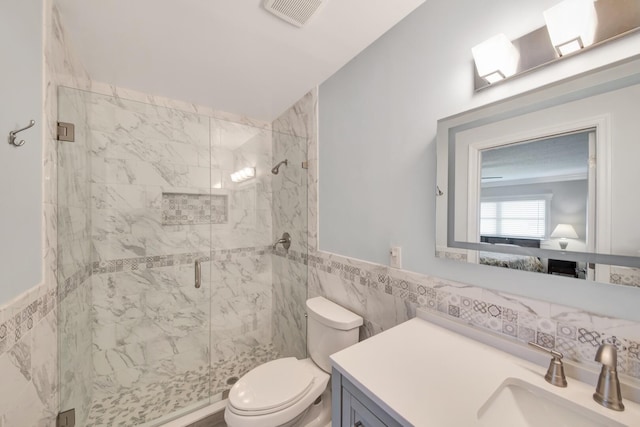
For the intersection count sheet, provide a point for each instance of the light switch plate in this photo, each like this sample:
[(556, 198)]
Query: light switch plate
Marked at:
[(395, 257)]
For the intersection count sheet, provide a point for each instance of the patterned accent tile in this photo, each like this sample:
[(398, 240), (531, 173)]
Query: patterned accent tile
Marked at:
[(454, 299), (494, 323), (567, 331), (510, 329), (14, 328), (633, 351), (480, 306), (184, 209), (527, 319), (478, 318), (72, 283), (586, 351), (158, 261), (494, 310), (592, 338), (579, 343), (526, 334), (633, 368), (625, 276), (451, 255), (545, 340), (547, 326), (443, 301), (466, 314), (568, 348), (509, 315)]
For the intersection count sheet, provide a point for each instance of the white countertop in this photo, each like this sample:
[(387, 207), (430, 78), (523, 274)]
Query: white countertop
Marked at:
[(425, 375)]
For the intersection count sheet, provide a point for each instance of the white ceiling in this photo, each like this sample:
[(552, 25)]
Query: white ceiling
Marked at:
[(553, 159), (227, 54)]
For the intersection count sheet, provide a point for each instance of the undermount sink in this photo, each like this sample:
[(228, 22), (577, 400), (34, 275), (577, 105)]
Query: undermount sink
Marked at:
[(519, 403)]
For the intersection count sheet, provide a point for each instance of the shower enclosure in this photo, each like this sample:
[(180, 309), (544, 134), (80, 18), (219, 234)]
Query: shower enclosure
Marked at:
[(144, 192)]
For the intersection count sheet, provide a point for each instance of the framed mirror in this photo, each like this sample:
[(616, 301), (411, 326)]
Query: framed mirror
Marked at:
[(545, 181)]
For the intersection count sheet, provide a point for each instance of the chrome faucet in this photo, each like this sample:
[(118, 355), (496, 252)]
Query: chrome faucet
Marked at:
[(608, 389), (285, 240)]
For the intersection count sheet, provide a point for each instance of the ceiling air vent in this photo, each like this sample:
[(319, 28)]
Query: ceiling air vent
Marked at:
[(296, 12)]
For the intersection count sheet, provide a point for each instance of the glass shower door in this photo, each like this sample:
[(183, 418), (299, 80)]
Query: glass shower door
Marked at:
[(258, 292), (134, 329)]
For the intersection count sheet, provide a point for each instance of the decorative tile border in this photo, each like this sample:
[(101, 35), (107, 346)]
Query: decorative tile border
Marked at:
[(625, 276), (144, 263), (457, 256), (185, 209), (73, 282), (14, 327), (578, 342)]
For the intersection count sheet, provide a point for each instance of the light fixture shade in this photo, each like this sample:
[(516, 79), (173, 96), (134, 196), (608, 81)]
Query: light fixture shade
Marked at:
[(564, 231), (571, 25), (496, 58), (243, 174)]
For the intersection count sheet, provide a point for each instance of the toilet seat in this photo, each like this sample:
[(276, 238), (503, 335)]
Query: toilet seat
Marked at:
[(298, 382), (271, 387)]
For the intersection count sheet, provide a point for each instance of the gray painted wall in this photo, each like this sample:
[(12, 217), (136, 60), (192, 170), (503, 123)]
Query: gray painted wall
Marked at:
[(20, 168), (377, 127)]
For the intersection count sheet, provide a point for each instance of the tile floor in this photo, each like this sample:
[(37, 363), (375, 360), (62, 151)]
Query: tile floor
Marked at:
[(134, 406)]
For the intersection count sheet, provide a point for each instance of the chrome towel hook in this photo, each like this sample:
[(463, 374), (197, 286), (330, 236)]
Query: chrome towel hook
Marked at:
[(12, 134)]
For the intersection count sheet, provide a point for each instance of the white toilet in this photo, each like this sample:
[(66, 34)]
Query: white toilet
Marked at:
[(288, 391)]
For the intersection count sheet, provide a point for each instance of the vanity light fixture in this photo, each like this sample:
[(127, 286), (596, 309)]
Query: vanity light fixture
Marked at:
[(496, 58), (564, 232), (243, 174), (571, 25)]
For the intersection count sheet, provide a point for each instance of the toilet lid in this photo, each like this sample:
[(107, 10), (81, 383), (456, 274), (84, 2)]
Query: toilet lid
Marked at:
[(272, 386)]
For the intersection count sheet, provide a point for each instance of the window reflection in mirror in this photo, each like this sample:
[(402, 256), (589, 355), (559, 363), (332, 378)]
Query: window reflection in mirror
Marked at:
[(536, 194)]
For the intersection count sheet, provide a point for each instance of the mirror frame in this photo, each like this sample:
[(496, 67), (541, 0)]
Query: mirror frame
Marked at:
[(596, 82)]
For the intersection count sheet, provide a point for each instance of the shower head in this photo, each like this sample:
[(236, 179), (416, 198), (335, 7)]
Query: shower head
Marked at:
[(276, 168)]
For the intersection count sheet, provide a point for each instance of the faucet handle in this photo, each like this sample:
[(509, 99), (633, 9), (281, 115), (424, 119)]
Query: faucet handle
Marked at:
[(555, 373)]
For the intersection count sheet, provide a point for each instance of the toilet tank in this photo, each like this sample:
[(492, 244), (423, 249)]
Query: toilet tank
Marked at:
[(330, 328)]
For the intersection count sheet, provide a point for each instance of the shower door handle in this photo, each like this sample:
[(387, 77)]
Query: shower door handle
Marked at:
[(198, 269)]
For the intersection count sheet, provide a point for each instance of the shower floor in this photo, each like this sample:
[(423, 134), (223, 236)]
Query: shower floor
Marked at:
[(135, 406)]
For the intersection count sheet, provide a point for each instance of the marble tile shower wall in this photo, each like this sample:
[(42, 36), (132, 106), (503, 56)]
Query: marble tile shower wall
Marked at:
[(290, 215), (144, 156), (386, 297), (139, 341)]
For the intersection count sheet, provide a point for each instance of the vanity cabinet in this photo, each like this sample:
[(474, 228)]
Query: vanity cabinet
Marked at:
[(352, 408)]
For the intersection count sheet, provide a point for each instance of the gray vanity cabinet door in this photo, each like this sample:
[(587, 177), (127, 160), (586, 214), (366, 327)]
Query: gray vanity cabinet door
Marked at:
[(356, 414), (351, 407)]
